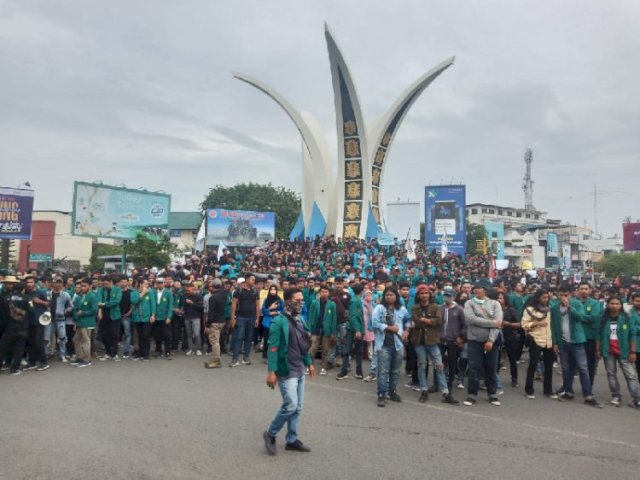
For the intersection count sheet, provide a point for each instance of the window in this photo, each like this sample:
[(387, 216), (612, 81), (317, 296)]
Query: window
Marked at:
[(519, 214), (484, 210), (509, 213), (492, 211), (528, 216), (474, 211), (500, 212), (537, 217)]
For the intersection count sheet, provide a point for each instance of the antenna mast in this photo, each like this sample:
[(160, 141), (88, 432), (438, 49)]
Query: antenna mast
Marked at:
[(527, 181)]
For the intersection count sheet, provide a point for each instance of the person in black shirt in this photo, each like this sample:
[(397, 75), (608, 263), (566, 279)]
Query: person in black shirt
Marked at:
[(14, 308), (245, 317)]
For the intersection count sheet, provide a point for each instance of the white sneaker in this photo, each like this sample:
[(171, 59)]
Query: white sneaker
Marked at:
[(64, 360), (189, 353), (615, 401), (460, 385), (199, 353), (116, 358), (531, 396), (323, 371), (495, 402)]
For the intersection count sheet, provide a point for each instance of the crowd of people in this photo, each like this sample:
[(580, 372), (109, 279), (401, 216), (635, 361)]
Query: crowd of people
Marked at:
[(445, 318)]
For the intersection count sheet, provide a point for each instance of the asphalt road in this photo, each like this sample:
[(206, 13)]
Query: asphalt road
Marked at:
[(177, 420)]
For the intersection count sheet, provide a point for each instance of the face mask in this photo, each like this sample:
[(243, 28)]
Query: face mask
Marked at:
[(294, 307)]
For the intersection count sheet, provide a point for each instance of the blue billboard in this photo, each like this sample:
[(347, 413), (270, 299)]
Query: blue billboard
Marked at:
[(240, 228), (444, 215), (495, 237)]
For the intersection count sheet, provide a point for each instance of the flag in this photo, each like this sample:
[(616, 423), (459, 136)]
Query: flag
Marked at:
[(200, 238), (445, 247), (411, 249), (221, 247)]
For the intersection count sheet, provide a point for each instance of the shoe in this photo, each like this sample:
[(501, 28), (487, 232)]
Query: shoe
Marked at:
[(448, 398), (75, 363), (126, 356), (145, 359), (635, 405), (413, 386), (323, 371), (167, 356), (42, 367), (102, 358), (424, 396), (470, 402), (495, 402), (530, 396), (433, 389), (394, 397), (31, 366), (189, 353), (64, 360), (514, 384), (591, 401), (297, 446), (116, 358), (269, 443), (358, 376), (234, 363), (216, 364), (460, 385), (382, 400), (552, 396), (83, 364), (15, 372), (246, 361), (342, 376), (565, 396), (370, 378), (136, 358), (615, 401), (199, 353), (4, 368), (500, 392)]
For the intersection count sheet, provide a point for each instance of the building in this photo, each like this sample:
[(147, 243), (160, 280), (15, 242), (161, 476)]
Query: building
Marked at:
[(183, 229), (479, 213)]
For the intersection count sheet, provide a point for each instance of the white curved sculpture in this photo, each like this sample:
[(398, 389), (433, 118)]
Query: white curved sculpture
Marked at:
[(345, 205)]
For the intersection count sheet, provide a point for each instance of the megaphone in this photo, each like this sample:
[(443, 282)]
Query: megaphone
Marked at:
[(45, 319)]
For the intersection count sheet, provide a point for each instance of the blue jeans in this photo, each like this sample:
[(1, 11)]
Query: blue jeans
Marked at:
[(243, 337), (47, 338), (389, 364), (336, 350), (572, 356), (126, 326), (482, 363), (292, 391), (630, 375), (61, 335), (435, 356)]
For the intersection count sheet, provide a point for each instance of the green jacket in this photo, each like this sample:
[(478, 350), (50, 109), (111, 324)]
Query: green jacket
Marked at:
[(635, 318), (85, 309), (164, 307), (356, 315), (592, 317), (576, 322), (626, 335), (143, 307), (518, 302), (330, 321), (278, 354), (114, 301)]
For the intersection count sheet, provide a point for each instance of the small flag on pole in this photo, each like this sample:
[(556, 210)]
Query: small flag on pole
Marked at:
[(411, 249), (221, 249), (201, 238)]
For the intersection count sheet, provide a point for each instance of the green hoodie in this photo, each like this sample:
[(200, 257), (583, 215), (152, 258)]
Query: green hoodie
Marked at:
[(576, 322)]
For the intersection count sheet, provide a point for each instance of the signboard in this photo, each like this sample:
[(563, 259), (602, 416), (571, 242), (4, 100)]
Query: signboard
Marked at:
[(631, 237), (240, 228), (385, 239), (566, 256), (114, 212), (16, 207), (495, 236), (403, 218), (40, 257), (552, 245), (445, 215)]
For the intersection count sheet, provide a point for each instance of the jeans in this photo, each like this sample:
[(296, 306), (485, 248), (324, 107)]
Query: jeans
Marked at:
[(481, 362), (572, 356), (453, 353), (435, 356), (514, 344), (126, 326), (389, 364), (534, 358), (61, 335), (592, 361), (292, 391), (243, 337), (46, 335), (336, 350), (373, 367), (349, 341), (630, 375), (193, 333)]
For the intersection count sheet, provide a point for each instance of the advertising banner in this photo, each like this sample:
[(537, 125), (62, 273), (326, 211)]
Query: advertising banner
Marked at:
[(386, 239), (16, 208), (240, 228), (631, 237), (566, 256), (552, 245), (495, 237), (445, 215), (115, 212)]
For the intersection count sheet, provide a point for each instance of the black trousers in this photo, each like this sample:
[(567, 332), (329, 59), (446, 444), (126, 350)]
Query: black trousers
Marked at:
[(514, 344), (161, 331), (144, 338), (12, 345), (177, 324), (71, 349), (592, 361), (452, 352), (36, 351), (112, 332), (534, 357)]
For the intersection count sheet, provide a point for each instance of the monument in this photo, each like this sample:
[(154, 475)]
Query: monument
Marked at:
[(348, 204)]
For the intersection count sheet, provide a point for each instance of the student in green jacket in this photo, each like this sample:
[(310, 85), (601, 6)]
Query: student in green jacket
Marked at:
[(518, 300), (354, 334), (109, 298), (144, 309), (85, 309), (592, 316), (161, 325), (635, 316), (616, 344), (288, 356), (323, 326)]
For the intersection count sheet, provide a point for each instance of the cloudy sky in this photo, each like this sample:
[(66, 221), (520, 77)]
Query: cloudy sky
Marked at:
[(140, 93)]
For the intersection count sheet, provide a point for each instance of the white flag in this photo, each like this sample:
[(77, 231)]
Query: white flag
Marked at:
[(411, 249), (445, 247), (200, 238), (221, 248)]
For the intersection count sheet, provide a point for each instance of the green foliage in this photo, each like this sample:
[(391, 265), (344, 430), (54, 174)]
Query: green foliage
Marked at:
[(151, 253), (99, 250), (475, 233), (624, 264), (283, 202)]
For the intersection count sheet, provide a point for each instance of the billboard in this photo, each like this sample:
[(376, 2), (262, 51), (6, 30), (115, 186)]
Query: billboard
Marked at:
[(115, 212), (495, 237), (16, 207), (444, 214), (240, 228), (552, 245), (631, 237), (404, 217)]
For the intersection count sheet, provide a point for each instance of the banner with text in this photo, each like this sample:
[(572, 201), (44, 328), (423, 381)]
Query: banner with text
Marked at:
[(16, 208), (445, 215), (240, 228)]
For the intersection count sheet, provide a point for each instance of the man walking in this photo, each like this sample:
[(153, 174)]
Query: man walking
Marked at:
[(322, 324), (14, 308), (215, 321), (288, 356), (245, 317)]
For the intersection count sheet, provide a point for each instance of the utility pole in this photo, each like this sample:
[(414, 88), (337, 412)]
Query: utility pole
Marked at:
[(596, 193), (527, 181)]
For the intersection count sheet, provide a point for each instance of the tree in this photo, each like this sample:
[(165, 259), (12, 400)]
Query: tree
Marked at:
[(151, 253), (623, 264), (475, 233), (283, 202)]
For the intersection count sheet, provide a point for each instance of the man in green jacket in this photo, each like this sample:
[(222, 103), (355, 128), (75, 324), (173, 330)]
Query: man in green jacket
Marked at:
[(354, 334), (322, 325), (592, 316), (161, 324), (109, 298), (85, 309), (288, 356)]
